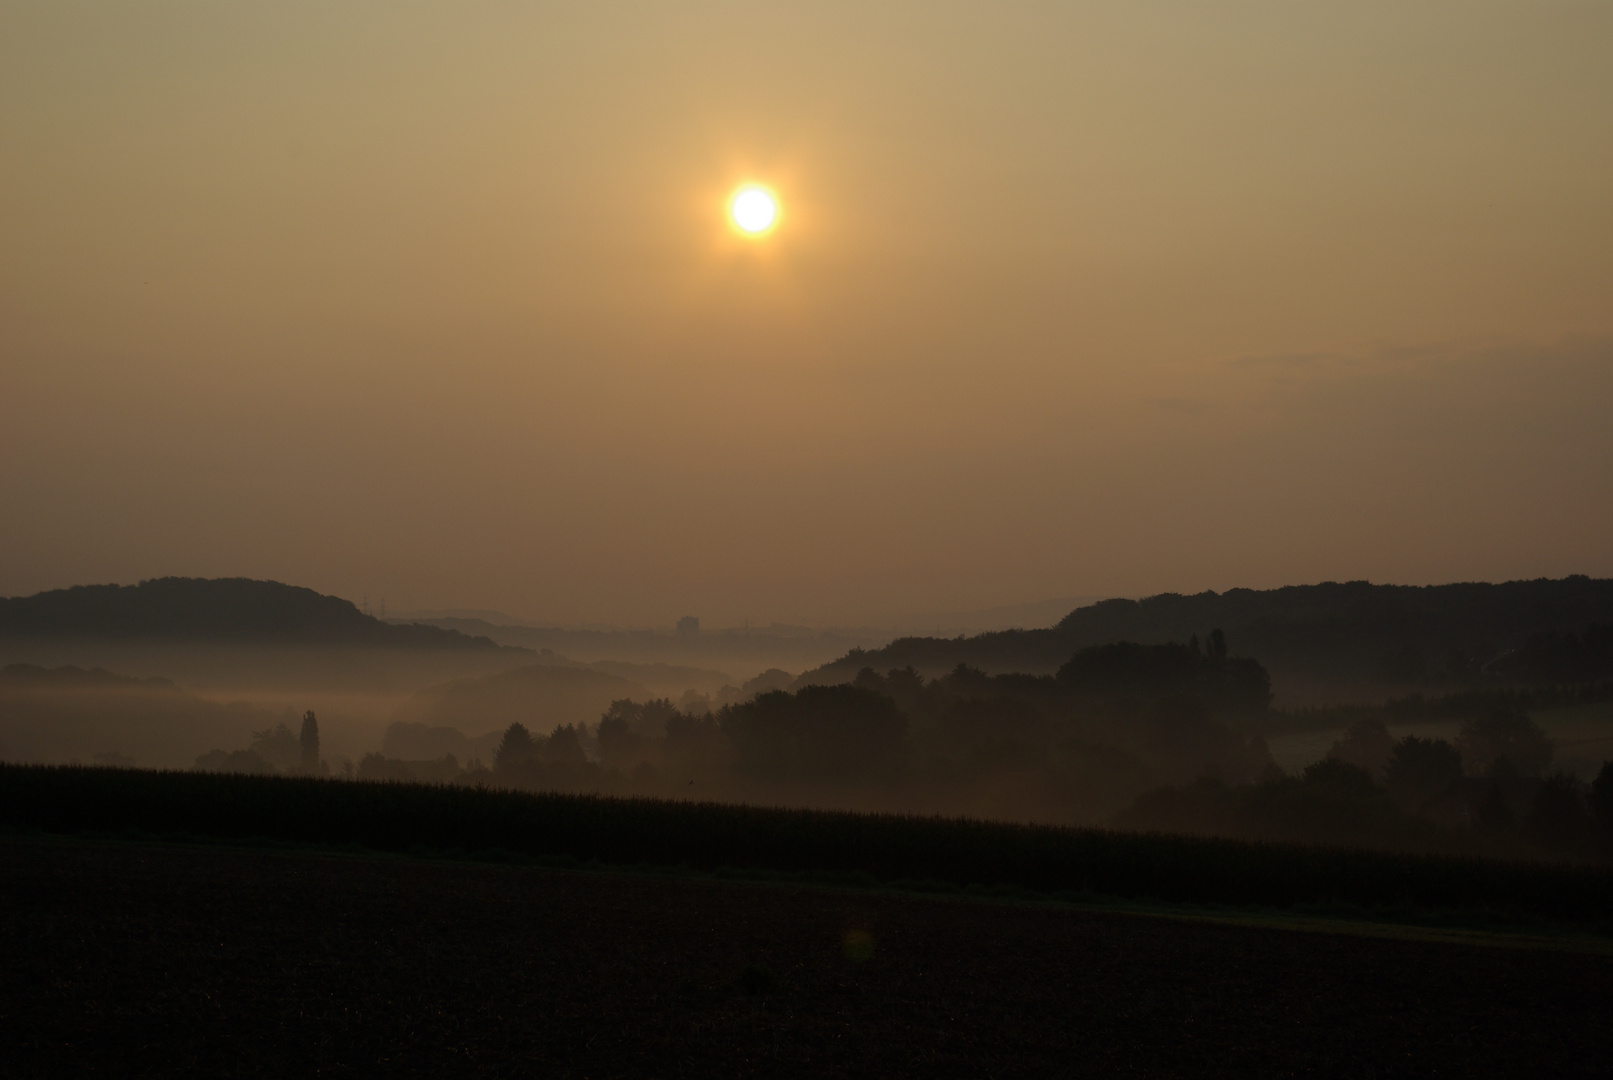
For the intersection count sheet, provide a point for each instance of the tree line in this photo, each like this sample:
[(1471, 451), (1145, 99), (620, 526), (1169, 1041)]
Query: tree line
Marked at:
[(1491, 791), (1148, 737), (1071, 747)]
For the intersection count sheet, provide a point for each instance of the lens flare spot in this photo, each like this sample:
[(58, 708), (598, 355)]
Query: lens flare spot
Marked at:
[(859, 946)]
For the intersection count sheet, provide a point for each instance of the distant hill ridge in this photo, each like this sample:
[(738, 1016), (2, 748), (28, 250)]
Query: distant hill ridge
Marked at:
[(240, 610), (1354, 630), (74, 677)]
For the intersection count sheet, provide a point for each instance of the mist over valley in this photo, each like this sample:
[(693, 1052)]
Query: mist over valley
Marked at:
[(839, 540), (1120, 715)]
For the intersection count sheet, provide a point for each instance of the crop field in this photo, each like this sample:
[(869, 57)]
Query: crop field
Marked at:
[(916, 854), (159, 924), (133, 959)]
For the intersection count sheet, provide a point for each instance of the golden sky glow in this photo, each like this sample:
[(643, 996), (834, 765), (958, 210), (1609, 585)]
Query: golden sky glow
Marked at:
[(442, 302)]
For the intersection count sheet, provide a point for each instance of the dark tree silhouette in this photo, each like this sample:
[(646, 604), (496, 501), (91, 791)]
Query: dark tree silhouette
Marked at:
[(619, 745), (1367, 744), (1601, 807), (1562, 657), (1420, 769), (823, 734), (1339, 775), (515, 748), (1504, 734), (564, 745), (1127, 669), (279, 747), (309, 740)]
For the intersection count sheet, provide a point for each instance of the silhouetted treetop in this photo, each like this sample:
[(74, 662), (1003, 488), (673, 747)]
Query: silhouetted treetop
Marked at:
[(1504, 734), (1339, 774), (1128, 669), (564, 744), (1367, 745), (834, 734), (1420, 769), (517, 746)]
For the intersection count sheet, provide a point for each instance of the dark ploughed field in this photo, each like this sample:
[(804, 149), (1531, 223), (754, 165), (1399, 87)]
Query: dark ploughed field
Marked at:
[(131, 959)]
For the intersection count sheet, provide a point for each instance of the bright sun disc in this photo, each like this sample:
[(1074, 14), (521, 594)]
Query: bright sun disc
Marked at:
[(753, 209)]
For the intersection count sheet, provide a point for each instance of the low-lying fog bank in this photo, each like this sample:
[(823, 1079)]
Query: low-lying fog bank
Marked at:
[(172, 702), (1169, 737)]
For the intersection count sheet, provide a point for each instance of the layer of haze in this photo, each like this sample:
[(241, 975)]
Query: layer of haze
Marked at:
[(436, 302)]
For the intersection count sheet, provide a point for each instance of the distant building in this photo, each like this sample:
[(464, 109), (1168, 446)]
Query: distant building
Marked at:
[(688, 626)]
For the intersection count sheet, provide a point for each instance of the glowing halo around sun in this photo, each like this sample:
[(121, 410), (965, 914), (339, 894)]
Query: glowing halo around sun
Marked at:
[(753, 210)]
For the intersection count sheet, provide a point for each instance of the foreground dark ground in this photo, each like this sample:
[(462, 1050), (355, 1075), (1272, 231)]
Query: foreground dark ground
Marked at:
[(134, 959)]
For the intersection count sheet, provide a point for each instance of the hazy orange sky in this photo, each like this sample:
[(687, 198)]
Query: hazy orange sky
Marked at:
[(437, 302)]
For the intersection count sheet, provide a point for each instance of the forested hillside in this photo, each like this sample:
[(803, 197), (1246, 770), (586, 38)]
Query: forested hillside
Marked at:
[(1336, 637), (236, 610)]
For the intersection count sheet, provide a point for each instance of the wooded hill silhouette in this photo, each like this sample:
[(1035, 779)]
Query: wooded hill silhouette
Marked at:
[(1335, 634), (237, 610)]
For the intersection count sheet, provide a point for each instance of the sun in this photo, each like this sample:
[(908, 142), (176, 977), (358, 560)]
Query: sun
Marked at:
[(753, 209)]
